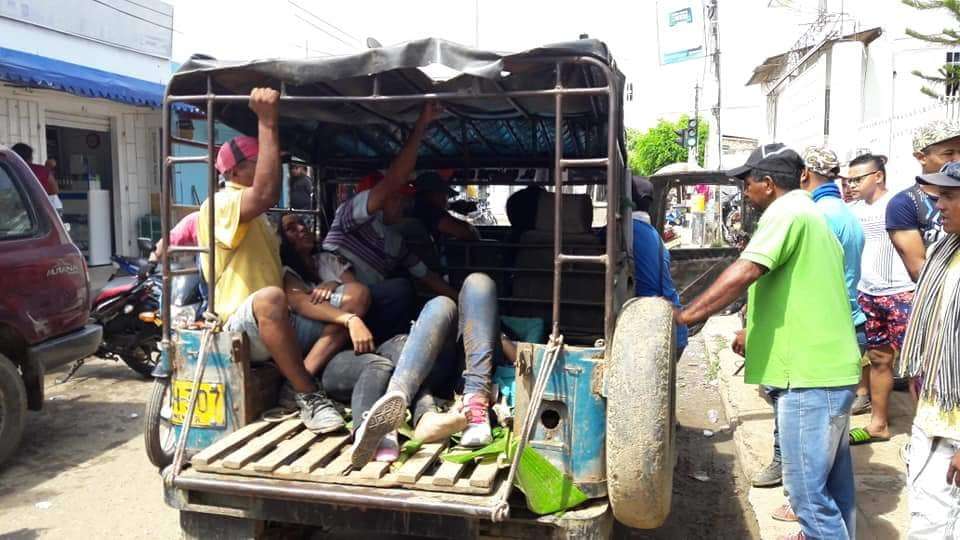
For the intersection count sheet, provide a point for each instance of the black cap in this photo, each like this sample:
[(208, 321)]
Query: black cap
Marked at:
[(642, 188), (948, 177), (431, 182), (773, 158)]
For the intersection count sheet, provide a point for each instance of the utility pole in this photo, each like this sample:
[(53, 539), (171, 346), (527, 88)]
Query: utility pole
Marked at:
[(715, 34), (692, 149)]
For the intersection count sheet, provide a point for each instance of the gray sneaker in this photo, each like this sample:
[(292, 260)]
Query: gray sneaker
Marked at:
[(861, 405), (318, 413), (769, 476), (384, 416)]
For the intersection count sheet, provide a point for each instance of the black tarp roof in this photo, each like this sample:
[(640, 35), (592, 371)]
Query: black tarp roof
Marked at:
[(471, 132)]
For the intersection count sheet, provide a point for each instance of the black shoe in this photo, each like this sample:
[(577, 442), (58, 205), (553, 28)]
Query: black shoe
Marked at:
[(769, 476)]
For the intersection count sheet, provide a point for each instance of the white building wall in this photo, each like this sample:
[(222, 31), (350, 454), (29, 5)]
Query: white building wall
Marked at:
[(134, 140)]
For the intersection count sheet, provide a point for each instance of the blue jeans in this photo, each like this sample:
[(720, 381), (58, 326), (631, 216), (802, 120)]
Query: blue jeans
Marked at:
[(817, 467), (432, 331)]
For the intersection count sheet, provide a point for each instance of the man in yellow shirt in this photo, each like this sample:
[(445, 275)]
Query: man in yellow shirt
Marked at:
[(931, 354), (247, 282)]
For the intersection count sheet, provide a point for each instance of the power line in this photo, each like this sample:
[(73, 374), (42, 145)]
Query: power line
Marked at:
[(348, 44), (315, 16), (148, 8), (127, 13)]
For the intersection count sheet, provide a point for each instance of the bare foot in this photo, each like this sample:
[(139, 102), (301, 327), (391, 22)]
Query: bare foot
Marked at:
[(436, 427)]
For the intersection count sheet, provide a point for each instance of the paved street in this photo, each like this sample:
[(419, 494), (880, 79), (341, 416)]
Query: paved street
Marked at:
[(82, 471)]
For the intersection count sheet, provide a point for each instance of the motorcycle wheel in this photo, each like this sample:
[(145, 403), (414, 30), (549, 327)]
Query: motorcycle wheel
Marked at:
[(158, 435), (142, 357)]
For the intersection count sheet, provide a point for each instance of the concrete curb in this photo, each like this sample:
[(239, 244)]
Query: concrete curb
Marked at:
[(881, 497)]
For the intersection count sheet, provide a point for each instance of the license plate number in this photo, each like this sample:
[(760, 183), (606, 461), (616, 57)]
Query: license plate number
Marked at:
[(211, 409)]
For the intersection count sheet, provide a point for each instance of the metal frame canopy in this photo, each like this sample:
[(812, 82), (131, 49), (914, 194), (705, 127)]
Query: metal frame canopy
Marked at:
[(368, 107), (354, 112)]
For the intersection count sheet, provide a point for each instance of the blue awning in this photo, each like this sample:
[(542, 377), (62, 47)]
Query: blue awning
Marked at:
[(41, 72)]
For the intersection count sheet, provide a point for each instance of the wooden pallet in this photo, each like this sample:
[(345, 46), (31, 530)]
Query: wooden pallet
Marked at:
[(286, 450)]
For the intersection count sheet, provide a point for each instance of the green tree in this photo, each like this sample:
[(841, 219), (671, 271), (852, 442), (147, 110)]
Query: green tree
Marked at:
[(650, 151), (948, 75)]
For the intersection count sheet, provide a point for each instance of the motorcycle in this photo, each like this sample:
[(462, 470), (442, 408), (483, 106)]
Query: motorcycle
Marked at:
[(127, 308)]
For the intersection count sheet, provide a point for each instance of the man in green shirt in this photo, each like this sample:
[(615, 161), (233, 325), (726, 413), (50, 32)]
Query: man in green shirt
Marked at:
[(799, 337)]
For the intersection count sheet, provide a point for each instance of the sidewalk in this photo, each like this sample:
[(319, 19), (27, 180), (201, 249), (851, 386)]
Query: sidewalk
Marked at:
[(880, 474)]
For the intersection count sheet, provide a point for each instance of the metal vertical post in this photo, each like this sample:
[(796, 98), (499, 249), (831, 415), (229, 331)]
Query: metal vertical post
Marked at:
[(166, 197), (615, 169), (557, 202), (692, 150), (211, 204)]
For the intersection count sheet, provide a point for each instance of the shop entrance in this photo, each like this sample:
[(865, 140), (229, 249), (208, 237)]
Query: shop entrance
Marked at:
[(82, 149)]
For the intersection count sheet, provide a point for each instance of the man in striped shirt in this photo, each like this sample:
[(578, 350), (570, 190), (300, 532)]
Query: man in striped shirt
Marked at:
[(362, 230)]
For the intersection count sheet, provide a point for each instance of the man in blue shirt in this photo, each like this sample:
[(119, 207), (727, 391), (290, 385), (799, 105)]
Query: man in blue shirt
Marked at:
[(651, 258)]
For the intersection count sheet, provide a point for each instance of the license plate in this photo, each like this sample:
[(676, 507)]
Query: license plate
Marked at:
[(211, 409)]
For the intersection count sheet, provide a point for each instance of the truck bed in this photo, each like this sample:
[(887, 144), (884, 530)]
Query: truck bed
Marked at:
[(285, 450)]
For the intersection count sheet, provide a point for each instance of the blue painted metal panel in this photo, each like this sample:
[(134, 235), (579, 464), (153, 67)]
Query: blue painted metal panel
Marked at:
[(576, 444), (220, 369)]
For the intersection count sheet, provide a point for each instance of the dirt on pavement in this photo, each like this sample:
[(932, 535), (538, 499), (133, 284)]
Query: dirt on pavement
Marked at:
[(81, 470)]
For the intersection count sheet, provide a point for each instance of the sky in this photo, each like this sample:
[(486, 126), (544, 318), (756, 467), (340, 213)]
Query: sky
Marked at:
[(248, 29)]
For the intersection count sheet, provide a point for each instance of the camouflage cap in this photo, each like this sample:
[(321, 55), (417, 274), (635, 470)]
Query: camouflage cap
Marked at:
[(821, 160), (933, 133)]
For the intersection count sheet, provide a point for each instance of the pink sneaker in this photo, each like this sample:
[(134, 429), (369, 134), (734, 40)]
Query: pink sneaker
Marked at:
[(478, 423)]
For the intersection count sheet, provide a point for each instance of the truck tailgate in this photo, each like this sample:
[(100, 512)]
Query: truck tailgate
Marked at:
[(287, 451)]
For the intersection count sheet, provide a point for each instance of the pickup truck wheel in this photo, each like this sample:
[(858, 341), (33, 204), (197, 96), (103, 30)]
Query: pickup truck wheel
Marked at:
[(13, 407), (641, 421), (158, 434)]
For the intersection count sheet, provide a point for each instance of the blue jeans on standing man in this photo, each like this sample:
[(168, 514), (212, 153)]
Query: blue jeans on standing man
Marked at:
[(817, 466)]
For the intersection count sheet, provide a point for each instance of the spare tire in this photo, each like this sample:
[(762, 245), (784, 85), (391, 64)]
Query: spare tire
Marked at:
[(640, 383)]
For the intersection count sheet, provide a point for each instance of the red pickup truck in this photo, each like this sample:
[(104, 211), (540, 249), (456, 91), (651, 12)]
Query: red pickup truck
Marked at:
[(44, 297)]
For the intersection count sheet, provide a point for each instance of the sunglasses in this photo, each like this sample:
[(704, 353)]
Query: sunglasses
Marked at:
[(855, 180)]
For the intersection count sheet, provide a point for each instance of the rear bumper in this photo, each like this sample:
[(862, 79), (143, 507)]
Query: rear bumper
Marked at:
[(62, 350), (375, 511)]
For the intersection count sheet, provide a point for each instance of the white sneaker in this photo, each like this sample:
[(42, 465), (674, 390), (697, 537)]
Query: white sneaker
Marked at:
[(478, 422), (384, 416)]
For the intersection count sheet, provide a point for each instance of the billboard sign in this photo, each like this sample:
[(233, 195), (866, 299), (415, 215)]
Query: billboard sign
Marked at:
[(144, 26), (680, 30)]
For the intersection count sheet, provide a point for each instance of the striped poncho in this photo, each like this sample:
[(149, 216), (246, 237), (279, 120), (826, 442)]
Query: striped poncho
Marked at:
[(931, 347)]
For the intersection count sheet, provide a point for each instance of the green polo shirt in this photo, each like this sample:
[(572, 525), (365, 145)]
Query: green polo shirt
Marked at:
[(799, 330)]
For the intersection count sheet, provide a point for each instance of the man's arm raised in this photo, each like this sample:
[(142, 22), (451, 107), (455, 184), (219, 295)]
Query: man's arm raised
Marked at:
[(399, 171), (265, 191)]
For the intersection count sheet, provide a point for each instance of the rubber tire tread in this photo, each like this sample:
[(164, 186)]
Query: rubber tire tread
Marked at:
[(151, 425), (640, 388), (13, 394)]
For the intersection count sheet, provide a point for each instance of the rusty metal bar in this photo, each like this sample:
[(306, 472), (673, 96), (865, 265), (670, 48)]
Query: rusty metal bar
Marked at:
[(188, 142), (331, 494), (166, 196), (186, 249), (448, 96), (211, 204), (593, 259), (557, 204), (614, 227), (176, 160), (584, 163)]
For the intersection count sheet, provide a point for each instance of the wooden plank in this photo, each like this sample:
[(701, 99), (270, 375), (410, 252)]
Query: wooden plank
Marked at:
[(336, 468), (317, 454), (416, 465), (448, 473), (462, 486), (372, 471), (484, 475), (257, 446), (229, 443), (284, 450)]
